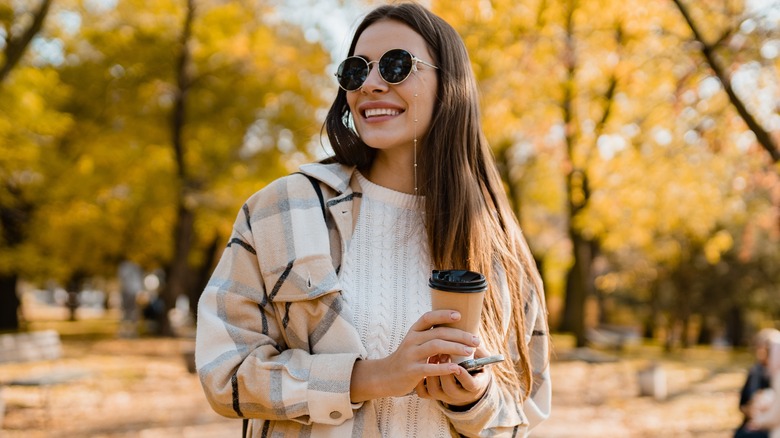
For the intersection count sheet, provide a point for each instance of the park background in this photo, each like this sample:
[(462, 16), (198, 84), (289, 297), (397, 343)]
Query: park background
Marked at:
[(639, 142)]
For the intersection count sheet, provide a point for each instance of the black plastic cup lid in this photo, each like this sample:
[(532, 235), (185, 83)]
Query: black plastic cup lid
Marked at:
[(453, 280)]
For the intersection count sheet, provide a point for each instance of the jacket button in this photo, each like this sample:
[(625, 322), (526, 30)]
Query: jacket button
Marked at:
[(335, 415)]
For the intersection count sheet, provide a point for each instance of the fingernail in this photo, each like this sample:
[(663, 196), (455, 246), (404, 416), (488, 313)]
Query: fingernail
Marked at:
[(455, 315), (455, 369), (468, 350), (475, 340)]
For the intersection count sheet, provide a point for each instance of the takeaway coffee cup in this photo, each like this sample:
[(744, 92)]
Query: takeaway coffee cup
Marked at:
[(462, 291)]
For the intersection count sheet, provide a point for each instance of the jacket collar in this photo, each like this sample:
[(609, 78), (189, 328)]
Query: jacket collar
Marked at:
[(334, 175)]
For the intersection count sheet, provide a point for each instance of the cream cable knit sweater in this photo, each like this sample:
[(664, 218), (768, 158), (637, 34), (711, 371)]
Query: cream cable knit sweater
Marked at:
[(385, 279)]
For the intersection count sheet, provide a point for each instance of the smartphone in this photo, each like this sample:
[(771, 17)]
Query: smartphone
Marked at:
[(474, 365)]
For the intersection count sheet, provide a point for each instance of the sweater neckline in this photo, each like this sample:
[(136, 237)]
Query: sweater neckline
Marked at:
[(389, 196)]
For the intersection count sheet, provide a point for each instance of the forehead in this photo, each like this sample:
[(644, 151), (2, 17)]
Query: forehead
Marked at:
[(384, 35)]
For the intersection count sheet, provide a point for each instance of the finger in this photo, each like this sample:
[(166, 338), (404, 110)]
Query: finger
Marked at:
[(451, 386), (435, 347), (440, 369), (451, 334), (422, 389), (469, 382), (434, 318), (433, 384), (480, 352)]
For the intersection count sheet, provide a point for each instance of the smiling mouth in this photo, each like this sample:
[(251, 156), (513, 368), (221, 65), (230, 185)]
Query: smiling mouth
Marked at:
[(379, 112)]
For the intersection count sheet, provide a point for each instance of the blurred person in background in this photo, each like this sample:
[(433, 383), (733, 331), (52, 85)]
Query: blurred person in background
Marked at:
[(317, 320), (757, 395), (765, 409), (130, 286)]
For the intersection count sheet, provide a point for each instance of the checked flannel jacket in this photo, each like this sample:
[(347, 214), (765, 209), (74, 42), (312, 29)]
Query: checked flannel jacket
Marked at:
[(274, 338)]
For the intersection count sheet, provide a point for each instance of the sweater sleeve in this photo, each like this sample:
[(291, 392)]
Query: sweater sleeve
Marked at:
[(501, 411), (248, 355)]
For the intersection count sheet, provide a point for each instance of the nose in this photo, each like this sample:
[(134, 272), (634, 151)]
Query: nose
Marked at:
[(374, 82)]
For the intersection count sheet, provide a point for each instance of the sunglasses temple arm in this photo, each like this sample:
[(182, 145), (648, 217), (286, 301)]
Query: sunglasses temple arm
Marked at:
[(423, 62)]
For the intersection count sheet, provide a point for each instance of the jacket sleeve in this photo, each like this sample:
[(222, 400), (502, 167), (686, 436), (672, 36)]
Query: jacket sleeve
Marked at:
[(768, 416), (752, 384), (246, 363), (501, 411)]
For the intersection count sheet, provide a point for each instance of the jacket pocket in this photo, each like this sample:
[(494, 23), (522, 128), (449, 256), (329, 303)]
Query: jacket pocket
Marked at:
[(301, 280)]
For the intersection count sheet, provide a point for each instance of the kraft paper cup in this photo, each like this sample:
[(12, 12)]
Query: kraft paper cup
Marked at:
[(462, 291)]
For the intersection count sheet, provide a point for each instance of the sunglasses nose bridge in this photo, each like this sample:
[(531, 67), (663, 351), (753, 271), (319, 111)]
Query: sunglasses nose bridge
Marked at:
[(373, 76)]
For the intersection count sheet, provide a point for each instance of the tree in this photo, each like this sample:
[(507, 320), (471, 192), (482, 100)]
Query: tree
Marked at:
[(194, 134), (178, 272), (547, 42), (20, 96), (110, 185), (606, 124)]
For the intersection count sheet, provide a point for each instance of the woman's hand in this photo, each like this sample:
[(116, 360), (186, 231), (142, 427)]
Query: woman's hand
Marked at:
[(457, 389), (402, 371)]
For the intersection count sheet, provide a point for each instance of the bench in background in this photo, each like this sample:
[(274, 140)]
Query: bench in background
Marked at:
[(30, 347)]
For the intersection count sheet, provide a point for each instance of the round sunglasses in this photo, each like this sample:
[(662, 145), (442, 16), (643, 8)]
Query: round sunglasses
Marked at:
[(395, 66)]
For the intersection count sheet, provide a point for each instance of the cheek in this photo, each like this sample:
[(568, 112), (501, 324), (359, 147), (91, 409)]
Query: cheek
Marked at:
[(430, 97), (429, 108), (351, 103)]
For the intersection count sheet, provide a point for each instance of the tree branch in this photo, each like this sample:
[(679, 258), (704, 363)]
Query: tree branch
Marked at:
[(728, 33), (16, 46), (609, 94), (762, 136), (183, 84)]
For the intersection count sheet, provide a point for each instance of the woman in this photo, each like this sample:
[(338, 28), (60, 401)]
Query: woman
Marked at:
[(758, 381), (763, 409), (317, 320)]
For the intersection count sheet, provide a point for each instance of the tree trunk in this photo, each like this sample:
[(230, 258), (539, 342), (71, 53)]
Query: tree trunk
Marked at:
[(13, 219), (579, 279), (179, 273), (671, 334), (204, 274), (649, 328), (9, 303), (577, 290), (735, 328), (574, 302), (504, 164), (685, 327), (705, 332)]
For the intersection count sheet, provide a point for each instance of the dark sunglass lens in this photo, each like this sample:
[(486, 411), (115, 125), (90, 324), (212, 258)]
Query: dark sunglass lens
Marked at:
[(352, 73), (395, 66)]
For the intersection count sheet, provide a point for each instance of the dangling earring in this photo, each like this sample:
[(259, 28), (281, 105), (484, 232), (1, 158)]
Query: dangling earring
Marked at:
[(415, 141)]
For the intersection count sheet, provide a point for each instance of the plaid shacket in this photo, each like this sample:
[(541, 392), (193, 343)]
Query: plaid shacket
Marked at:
[(275, 342)]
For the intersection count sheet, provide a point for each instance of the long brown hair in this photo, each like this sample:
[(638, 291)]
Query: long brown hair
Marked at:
[(468, 220)]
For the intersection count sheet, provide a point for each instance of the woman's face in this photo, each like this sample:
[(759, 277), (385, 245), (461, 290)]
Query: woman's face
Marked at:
[(385, 114)]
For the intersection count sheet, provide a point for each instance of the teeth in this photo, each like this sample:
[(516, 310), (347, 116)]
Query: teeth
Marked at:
[(375, 112)]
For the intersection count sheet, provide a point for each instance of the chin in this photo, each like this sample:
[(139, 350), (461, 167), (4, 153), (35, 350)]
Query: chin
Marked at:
[(385, 143)]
